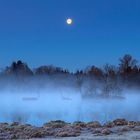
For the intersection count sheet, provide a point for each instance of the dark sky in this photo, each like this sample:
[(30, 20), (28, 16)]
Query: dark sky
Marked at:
[(36, 32)]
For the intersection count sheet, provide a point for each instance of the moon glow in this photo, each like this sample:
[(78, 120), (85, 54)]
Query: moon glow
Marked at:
[(69, 21)]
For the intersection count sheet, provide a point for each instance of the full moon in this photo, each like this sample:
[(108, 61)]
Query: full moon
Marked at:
[(69, 21)]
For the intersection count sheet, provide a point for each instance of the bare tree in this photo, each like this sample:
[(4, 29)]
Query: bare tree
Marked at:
[(127, 63)]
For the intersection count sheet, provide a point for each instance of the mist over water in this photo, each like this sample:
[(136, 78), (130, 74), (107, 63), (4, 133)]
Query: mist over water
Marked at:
[(38, 106)]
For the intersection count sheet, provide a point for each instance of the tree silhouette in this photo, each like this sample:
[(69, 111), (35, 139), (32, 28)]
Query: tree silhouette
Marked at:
[(127, 63), (109, 79)]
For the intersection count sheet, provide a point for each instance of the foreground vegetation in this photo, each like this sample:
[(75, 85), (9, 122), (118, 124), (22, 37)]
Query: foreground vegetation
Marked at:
[(59, 129)]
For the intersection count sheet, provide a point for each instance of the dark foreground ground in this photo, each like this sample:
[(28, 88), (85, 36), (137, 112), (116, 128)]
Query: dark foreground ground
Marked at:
[(119, 129)]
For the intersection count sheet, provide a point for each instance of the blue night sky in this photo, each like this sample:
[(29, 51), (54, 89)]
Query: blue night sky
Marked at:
[(36, 32)]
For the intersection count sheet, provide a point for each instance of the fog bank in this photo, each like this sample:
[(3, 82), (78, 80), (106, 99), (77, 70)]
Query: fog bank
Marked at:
[(40, 106)]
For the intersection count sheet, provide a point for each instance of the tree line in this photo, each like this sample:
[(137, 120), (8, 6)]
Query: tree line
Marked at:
[(128, 67), (110, 77)]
